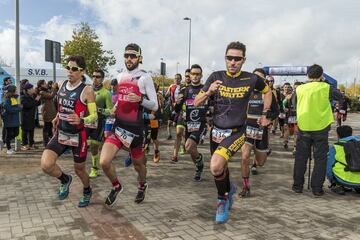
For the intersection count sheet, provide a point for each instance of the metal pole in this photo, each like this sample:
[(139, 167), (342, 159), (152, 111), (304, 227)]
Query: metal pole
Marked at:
[(189, 44), (54, 61), (17, 58)]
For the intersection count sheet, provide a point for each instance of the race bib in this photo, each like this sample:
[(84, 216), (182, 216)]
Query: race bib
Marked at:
[(292, 119), (254, 133), (282, 115), (69, 139), (124, 136), (91, 125), (220, 134), (342, 111), (110, 120), (193, 126)]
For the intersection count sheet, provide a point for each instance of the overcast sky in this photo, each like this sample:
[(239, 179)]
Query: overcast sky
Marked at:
[(283, 32)]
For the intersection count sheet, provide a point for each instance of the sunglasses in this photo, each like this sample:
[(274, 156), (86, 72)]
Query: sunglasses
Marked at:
[(195, 74), (74, 69), (132, 56), (270, 80), (96, 76), (235, 58), (187, 76)]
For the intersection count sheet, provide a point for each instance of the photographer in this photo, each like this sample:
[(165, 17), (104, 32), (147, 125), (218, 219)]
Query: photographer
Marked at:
[(48, 110), (314, 117), (29, 102)]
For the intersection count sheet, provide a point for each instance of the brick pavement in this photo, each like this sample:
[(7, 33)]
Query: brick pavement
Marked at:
[(175, 207)]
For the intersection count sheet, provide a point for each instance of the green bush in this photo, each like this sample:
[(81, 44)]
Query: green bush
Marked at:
[(355, 104)]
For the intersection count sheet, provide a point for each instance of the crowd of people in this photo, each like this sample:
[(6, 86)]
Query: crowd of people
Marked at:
[(239, 110)]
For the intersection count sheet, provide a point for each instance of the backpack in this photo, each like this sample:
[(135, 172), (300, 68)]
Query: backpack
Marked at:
[(352, 155)]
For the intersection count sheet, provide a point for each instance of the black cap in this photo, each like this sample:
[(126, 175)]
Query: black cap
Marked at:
[(114, 82), (134, 48)]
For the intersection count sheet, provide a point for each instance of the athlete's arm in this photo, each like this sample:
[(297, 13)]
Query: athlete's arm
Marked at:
[(88, 97), (261, 86), (210, 87), (108, 104)]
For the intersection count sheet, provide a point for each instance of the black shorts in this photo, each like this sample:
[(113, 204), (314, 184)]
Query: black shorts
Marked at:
[(98, 133), (260, 145), (172, 115), (79, 152), (154, 133), (230, 145), (180, 121), (197, 135)]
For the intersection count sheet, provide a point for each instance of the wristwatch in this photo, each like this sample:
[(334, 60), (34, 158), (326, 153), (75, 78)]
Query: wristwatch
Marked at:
[(267, 114)]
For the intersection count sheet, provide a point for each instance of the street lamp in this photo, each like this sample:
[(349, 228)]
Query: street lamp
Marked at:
[(189, 19)]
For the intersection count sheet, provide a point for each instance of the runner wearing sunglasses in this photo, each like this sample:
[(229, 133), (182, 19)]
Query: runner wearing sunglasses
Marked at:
[(74, 100), (230, 92), (195, 118), (136, 91)]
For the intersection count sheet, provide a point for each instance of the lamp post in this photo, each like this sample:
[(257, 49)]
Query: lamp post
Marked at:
[(17, 58), (189, 19)]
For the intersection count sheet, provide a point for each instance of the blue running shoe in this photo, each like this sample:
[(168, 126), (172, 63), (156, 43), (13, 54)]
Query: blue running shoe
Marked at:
[(128, 161), (64, 189), (222, 211), (85, 200), (231, 195)]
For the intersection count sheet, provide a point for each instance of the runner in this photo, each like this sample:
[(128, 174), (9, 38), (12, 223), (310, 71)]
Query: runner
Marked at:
[(171, 95), (342, 109), (95, 132), (230, 91), (74, 98), (257, 137), (136, 92), (195, 118)]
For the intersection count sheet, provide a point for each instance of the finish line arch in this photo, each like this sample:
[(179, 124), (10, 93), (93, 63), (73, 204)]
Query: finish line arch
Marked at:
[(295, 71)]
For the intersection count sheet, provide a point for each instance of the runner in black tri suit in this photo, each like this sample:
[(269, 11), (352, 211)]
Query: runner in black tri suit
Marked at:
[(136, 91), (230, 91), (74, 99), (195, 118)]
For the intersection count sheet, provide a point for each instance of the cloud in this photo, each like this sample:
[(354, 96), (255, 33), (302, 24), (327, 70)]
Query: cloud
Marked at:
[(276, 32)]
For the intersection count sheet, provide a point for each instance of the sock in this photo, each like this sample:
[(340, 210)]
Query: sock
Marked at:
[(95, 161), (156, 151), (246, 182), (254, 165), (142, 185), (116, 184), (63, 178), (87, 190), (222, 183)]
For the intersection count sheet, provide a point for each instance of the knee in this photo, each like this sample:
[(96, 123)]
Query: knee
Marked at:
[(245, 157), (47, 166), (188, 148), (104, 163), (216, 169)]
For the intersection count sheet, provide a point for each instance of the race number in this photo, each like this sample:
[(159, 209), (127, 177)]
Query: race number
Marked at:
[(124, 136), (254, 133), (220, 134), (68, 139)]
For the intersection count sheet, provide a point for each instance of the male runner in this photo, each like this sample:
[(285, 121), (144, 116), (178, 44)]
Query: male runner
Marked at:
[(171, 95), (195, 118), (95, 132), (230, 91), (136, 92), (73, 99)]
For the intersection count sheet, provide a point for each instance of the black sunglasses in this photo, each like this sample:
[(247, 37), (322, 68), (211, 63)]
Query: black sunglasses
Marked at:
[(96, 76), (235, 58), (74, 69), (131, 55)]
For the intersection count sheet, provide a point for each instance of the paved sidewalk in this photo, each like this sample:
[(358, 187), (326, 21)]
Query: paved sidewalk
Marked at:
[(175, 207)]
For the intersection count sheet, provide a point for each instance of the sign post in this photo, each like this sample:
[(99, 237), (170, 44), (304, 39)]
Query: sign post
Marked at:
[(52, 54)]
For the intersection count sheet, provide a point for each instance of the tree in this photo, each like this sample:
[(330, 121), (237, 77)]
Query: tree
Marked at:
[(85, 42)]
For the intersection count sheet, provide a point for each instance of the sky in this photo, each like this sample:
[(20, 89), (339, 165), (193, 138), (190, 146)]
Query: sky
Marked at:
[(276, 33)]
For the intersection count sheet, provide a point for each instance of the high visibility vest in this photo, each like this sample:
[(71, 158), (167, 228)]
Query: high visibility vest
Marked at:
[(339, 167), (313, 107)]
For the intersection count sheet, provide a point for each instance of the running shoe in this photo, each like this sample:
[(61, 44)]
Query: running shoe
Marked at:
[(254, 170), (222, 211), (174, 160), (64, 189), (169, 137), (112, 197), (140, 196), (245, 192), (156, 156), (85, 200), (93, 173), (182, 150)]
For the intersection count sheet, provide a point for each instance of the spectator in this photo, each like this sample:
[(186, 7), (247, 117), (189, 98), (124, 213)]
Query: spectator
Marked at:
[(314, 117), (11, 116), (29, 103), (48, 110), (338, 172), (23, 82), (7, 81)]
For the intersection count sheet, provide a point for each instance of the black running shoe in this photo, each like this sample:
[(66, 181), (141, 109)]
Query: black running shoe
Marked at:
[(338, 189), (112, 197), (140, 196), (254, 170), (169, 137), (286, 147)]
